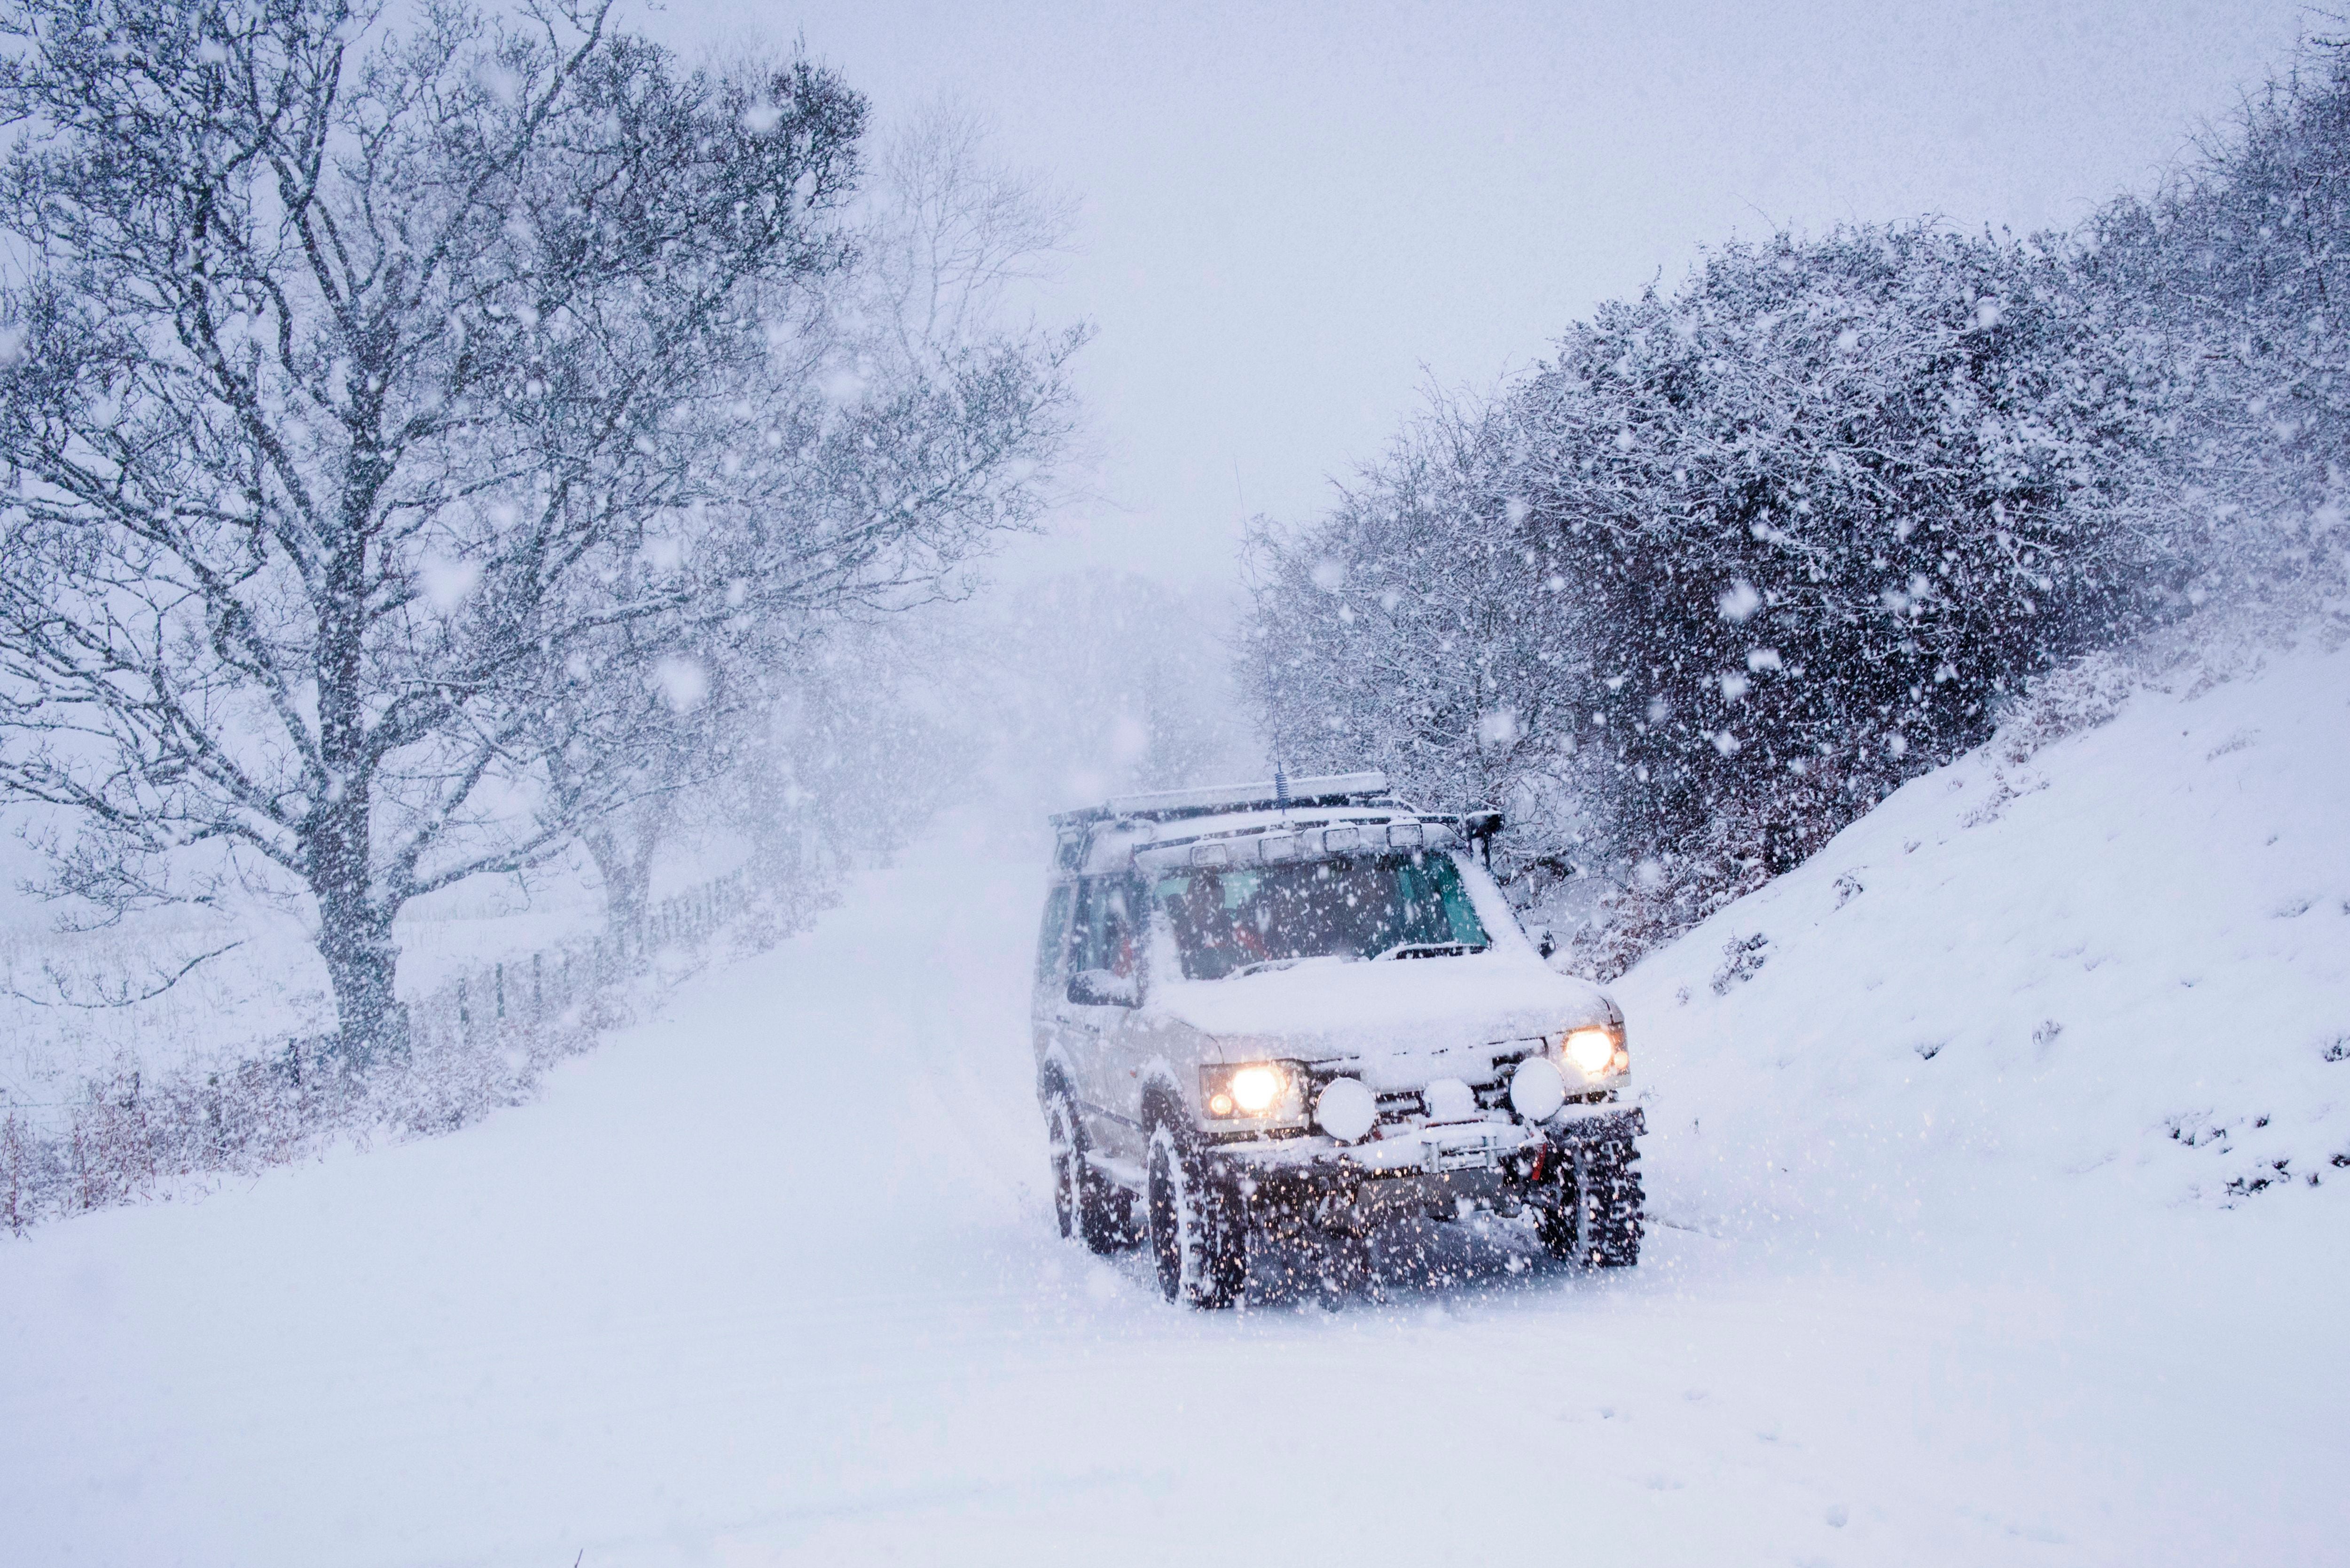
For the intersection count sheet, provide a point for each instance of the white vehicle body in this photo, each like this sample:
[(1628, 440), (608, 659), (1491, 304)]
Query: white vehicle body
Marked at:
[(1320, 1006)]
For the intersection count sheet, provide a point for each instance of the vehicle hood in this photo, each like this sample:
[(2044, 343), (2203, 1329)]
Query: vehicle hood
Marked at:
[(1327, 1008)]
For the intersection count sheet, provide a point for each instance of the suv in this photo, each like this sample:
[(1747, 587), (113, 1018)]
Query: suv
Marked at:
[(1301, 1009)]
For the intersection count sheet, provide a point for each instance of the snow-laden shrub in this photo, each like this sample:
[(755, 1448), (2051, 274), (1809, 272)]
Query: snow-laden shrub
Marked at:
[(2237, 269), (2067, 700), (1739, 559), (1745, 553), (1819, 510)]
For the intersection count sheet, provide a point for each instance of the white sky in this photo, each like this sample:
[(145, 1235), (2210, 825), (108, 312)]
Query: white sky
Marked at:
[(1295, 215)]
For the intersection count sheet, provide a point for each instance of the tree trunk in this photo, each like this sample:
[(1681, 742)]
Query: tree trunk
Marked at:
[(361, 960), (622, 848)]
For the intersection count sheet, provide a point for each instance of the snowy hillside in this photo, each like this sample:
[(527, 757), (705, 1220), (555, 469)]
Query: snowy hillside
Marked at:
[(2106, 977)]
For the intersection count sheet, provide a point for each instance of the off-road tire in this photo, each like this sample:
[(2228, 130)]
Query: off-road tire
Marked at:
[(1344, 1269), (1081, 1199), (1199, 1231), (1598, 1219)]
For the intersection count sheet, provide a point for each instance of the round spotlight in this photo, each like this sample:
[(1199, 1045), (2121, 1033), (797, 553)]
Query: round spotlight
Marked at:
[(1347, 1109), (1536, 1089)]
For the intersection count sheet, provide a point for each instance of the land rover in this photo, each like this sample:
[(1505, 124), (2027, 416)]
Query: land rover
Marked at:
[(1297, 1010)]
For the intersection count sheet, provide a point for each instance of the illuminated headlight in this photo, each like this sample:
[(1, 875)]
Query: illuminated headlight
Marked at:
[(1595, 1052), (1254, 1090)]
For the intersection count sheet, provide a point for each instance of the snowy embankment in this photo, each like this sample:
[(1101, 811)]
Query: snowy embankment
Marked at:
[(2100, 978), (772, 1279)]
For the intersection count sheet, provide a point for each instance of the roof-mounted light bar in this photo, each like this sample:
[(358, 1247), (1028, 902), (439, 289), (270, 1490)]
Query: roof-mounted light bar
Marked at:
[(1270, 846), (1330, 789)]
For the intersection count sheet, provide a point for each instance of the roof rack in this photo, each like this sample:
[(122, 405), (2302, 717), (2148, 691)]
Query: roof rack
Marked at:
[(1331, 789)]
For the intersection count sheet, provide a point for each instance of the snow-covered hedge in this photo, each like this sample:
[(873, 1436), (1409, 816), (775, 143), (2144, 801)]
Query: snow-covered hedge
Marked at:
[(1746, 554), (1739, 559)]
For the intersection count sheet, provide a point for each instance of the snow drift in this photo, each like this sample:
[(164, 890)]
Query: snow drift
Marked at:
[(2108, 971)]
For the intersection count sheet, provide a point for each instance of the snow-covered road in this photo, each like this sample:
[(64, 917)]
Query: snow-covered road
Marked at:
[(771, 1280)]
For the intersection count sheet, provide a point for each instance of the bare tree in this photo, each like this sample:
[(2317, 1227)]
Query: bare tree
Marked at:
[(912, 405), (373, 392), (948, 232)]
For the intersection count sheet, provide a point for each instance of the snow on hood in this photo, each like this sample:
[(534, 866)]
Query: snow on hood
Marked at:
[(1324, 1008)]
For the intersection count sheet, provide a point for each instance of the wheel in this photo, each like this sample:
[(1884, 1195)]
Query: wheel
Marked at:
[(1198, 1233), (1345, 1268), (1598, 1220), (1080, 1203)]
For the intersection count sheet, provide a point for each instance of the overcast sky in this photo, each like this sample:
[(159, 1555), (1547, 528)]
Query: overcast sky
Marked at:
[(1294, 214)]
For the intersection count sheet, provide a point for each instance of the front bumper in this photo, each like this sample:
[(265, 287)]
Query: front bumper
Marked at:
[(1434, 1170)]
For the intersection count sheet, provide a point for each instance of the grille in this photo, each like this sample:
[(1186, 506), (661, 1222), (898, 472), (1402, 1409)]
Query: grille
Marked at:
[(1398, 1107)]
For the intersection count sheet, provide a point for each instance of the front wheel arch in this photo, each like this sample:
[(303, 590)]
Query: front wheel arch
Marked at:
[(1162, 1104)]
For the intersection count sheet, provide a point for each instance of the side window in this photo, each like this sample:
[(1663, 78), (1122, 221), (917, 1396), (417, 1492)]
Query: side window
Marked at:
[(1108, 935), (1121, 928), (1053, 941), (1084, 946)]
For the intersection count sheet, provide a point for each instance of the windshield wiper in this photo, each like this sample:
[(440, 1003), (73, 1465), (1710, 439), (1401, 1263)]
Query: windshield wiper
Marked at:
[(1264, 965), (1432, 949)]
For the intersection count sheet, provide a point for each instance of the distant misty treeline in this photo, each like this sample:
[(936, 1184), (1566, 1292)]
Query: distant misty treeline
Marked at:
[(1744, 553)]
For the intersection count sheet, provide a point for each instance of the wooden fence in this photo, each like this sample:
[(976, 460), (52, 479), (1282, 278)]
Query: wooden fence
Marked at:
[(480, 1040)]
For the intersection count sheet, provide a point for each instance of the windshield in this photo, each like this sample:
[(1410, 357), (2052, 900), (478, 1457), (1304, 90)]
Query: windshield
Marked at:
[(1227, 922)]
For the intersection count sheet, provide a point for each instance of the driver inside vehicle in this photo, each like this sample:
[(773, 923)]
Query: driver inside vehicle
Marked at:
[(1121, 946), (1222, 937), (1226, 923)]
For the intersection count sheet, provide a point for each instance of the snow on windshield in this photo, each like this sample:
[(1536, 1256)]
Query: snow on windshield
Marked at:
[(1228, 921)]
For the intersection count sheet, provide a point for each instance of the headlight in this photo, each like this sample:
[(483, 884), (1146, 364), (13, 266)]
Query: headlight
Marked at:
[(1255, 1090), (1593, 1052)]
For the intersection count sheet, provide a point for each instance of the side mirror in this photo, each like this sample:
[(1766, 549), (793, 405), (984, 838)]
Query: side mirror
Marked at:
[(1103, 988), (1544, 943), (1479, 828)]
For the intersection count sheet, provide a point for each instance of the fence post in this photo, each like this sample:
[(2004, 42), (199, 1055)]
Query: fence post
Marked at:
[(464, 1013), (11, 1200), (537, 984), (498, 981)]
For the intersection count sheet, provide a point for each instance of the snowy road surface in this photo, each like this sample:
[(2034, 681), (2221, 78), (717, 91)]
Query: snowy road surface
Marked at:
[(771, 1280)]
